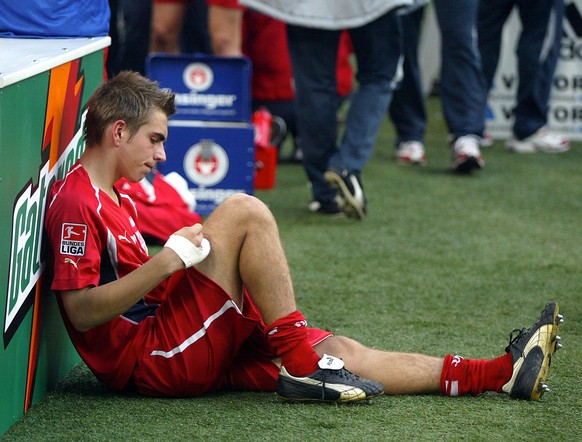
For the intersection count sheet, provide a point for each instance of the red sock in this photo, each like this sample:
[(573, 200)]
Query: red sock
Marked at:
[(498, 372), (289, 338), (474, 376)]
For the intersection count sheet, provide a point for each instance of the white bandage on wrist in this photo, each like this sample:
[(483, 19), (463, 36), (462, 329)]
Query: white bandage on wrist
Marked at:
[(187, 251)]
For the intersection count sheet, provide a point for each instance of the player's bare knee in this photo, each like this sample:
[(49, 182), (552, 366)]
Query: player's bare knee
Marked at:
[(248, 208)]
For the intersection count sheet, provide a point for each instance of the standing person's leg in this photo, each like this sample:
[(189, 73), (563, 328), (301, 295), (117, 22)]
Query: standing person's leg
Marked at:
[(538, 50), (463, 92), (195, 37), (112, 62), (313, 57), (537, 53), (462, 85), (166, 25), (378, 54), (407, 110), (137, 16), (491, 19)]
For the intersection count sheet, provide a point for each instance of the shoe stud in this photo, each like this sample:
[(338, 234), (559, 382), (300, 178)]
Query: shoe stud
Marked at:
[(545, 388), (560, 319), (557, 340)]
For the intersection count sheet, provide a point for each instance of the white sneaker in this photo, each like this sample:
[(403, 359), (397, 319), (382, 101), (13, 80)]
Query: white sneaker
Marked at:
[(411, 152), (467, 155), (541, 141)]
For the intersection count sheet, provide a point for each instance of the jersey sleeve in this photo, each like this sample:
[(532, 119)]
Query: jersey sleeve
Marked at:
[(76, 238)]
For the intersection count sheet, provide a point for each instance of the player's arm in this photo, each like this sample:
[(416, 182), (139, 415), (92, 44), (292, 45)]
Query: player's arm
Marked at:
[(225, 29), (92, 306)]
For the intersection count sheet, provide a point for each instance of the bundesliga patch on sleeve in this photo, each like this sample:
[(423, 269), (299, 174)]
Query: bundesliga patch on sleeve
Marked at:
[(73, 239)]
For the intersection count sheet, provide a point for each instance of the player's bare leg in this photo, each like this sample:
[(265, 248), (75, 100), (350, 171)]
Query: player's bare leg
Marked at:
[(401, 373), (246, 247), (521, 372)]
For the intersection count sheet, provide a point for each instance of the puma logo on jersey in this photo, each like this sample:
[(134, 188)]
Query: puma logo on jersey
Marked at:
[(70, 261), (123, 237)]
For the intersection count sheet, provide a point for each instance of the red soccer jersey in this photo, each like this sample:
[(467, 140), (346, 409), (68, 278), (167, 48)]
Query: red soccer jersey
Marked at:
[(93, 241)]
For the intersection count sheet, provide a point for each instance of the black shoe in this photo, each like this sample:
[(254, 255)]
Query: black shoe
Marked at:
[(330, 383), (349, 188), (531, 351)]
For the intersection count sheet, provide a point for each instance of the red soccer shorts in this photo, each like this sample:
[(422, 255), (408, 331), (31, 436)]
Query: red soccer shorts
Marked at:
[(200, 341)]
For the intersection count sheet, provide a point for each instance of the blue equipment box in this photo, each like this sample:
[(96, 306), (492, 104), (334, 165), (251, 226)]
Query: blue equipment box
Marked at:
[(207, 87), (217, 159)]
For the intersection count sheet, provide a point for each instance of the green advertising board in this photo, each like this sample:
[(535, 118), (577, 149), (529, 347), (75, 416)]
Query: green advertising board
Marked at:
[(44, 88)]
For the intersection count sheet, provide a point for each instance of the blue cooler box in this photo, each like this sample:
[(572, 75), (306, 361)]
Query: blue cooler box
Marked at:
[(207, 87), (217, 159)]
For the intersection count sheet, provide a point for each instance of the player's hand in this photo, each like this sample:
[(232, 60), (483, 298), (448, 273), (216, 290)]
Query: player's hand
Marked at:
[(193, 233), (189, 244)]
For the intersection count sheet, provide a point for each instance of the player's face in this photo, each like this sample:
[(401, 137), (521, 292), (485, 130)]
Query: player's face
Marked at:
[(146, 148)]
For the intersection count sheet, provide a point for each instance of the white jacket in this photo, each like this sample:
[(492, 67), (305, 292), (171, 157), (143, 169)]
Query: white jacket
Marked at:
[(326, 14)]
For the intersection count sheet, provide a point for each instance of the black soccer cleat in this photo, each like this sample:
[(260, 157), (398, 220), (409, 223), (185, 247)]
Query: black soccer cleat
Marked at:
[(350, 190), (330, 383), (531, 351)]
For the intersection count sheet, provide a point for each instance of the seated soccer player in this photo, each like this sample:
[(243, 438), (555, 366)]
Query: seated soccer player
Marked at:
[(214, 308)]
